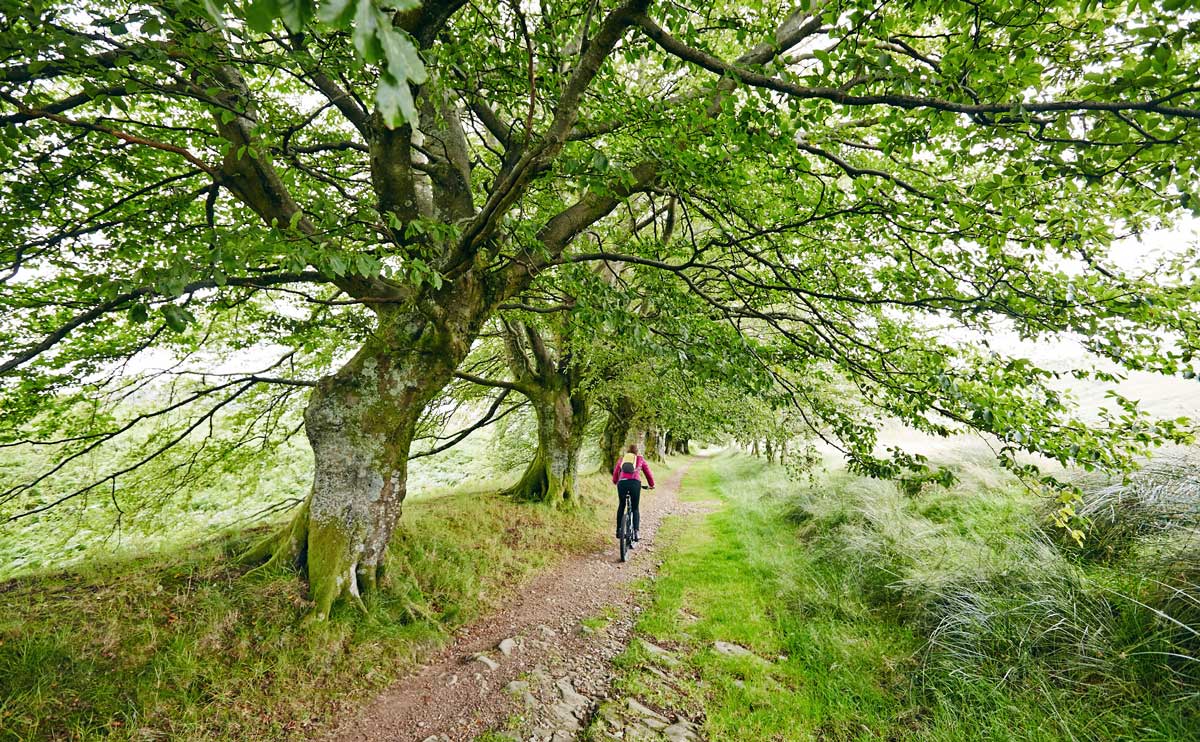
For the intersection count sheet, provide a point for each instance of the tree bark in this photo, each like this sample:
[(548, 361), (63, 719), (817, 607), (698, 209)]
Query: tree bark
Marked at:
[(655, 445), (360, 422), (616, 432), (562, 417)]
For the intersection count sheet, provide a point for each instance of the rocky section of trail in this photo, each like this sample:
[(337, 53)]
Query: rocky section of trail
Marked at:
[(575, 700)]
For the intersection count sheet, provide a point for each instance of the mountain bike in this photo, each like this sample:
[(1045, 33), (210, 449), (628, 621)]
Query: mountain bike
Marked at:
[(626, 537)]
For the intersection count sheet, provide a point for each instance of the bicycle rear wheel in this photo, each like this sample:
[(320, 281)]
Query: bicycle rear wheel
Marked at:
[(626, 534)]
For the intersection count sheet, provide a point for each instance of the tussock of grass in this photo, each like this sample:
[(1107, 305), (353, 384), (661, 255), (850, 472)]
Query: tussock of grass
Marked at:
[(188, 647), (1161, 500)]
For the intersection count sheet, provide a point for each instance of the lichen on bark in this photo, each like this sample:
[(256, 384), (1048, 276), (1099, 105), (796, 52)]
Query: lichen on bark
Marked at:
[(550, 477)]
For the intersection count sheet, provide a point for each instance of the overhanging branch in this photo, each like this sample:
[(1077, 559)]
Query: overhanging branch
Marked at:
[(718, 66), (124, 300)]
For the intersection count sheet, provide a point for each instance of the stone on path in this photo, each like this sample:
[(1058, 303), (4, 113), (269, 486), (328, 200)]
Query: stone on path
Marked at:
[(647, 716), (660, 654), (486, 661), (681, 731), (566, 691), (735, 650), (507, 646)]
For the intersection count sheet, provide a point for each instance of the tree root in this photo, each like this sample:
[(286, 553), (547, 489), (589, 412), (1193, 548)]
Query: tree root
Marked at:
[(285, 548)]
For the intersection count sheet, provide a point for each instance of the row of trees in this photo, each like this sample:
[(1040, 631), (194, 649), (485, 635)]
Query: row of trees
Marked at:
[(780, 201)]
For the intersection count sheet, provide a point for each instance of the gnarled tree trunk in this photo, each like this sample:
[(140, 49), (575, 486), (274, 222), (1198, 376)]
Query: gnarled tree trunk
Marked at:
[(656, 445), (616, 432), (360, 422), (562, 417)]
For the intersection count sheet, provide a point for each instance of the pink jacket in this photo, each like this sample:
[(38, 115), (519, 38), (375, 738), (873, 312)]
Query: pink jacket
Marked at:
[(640, 466)]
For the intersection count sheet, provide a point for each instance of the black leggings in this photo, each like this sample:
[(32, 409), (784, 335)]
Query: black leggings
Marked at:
[(629, 490)]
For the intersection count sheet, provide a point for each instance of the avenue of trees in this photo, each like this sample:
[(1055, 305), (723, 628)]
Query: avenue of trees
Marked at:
[(760, 220)]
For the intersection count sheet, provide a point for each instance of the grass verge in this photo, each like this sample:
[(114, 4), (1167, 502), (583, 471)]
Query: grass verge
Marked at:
[(842, 593), (187, 647)]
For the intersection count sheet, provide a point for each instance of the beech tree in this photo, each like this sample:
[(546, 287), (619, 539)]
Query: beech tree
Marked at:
[(546, 367), (364, 184)]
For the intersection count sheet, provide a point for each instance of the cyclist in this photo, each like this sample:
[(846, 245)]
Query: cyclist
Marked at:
[(626, 475)]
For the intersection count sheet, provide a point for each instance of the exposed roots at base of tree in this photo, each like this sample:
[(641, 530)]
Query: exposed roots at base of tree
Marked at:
[(285, 548), (288, 549), (534, 486)]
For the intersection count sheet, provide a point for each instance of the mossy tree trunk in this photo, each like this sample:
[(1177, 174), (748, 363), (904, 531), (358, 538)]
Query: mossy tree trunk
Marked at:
[(360, 422), (616, 432), (550, 476), (676, 444), (656, 444), (547, 373)]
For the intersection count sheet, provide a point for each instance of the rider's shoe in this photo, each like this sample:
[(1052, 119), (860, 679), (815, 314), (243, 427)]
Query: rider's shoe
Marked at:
[(636, 537)]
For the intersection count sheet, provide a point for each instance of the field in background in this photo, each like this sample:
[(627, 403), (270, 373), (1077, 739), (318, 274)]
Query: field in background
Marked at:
[(92, 529)]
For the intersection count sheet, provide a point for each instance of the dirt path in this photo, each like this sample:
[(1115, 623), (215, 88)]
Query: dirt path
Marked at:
[(468, 687)]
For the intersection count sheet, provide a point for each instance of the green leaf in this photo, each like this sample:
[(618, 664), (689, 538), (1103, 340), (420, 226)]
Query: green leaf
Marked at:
[(295, 13), (367, 20), (403, 61), (177, 317), (395, 101), (216, 11), (336, 12), (261, 14)]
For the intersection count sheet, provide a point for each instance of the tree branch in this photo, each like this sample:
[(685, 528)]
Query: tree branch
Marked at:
[(125, 299), (489, 418), (718, 66), (498, 383)]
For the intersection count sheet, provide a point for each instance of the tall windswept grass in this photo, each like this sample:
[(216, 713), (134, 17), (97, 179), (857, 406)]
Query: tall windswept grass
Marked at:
[(1162, 500), (1002, 600)]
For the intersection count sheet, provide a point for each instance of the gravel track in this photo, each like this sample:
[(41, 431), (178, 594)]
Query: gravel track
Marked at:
[(460, 692)]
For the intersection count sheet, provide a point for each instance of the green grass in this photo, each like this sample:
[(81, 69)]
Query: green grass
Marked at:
[(840, 586), (606, 616), (187, 646)]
